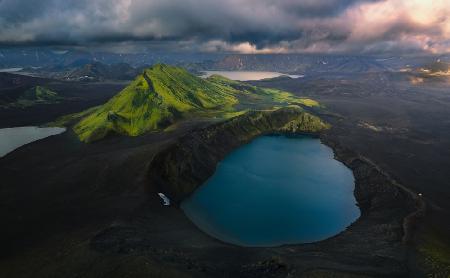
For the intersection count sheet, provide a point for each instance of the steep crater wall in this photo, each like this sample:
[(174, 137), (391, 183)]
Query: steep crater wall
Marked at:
[(373, 246), (182, 167), (178, 170)]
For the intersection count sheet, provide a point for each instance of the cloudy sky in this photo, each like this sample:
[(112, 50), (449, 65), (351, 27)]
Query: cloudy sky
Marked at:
[(246, 26)]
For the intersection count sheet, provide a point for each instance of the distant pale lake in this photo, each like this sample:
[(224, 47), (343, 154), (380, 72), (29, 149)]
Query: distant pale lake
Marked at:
[(248, 75), (13, 138), (276, 190), (11, 69)]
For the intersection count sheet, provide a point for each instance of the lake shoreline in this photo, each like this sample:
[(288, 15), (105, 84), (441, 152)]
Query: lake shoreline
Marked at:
[(12, 138), (262, 193), (249, 75), (117, 216), (385, 207)]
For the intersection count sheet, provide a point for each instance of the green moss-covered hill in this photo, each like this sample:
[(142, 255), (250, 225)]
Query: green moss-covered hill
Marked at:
[(267, 97), (35, 95), (163, 94), (155, 99), (40, 93)]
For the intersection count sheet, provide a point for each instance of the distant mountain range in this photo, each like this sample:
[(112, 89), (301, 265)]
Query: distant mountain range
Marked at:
[(99, 72), (95, 71), (311, 64), (437, 68), (71, 58), (298, 63), (436, 71), (50, 60)]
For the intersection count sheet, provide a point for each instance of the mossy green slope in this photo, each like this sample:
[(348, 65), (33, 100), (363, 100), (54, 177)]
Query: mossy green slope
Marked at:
[(269, 95), (40, 93), (35, 95), (154, 100), (163, 94)]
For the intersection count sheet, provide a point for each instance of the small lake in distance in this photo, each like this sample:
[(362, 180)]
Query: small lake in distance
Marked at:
[(15, 137), (275, 190), (11, 69), (248, 75)]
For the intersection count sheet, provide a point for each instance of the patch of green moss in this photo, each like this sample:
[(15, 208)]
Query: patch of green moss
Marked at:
[(40, 93), (261, 94), (306, 123), (435, 252), (35, 95)]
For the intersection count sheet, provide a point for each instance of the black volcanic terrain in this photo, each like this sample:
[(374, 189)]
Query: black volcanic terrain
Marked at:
[(74, 209), (74, 97)]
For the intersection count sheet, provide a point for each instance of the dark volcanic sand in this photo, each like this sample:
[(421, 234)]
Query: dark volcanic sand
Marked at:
[(58, 194), (411, 138), (77, 96)]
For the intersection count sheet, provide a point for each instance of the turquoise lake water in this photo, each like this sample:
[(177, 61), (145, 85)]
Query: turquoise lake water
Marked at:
[(275, 190)]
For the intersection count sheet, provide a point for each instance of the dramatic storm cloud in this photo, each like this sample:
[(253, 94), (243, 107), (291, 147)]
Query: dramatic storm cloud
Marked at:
[(248, 26)]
